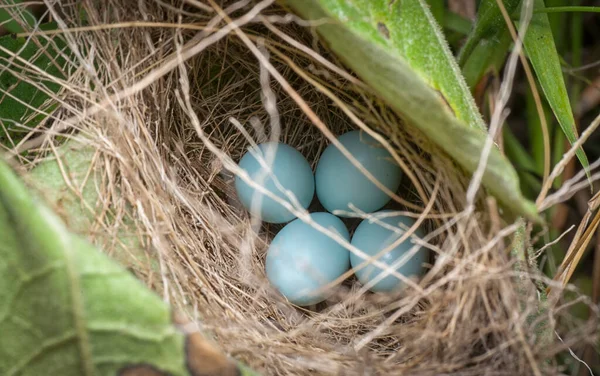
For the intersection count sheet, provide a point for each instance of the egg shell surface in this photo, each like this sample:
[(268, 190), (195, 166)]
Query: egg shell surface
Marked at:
[(373, 237), (301, 259), (291, 170), (340, 183)]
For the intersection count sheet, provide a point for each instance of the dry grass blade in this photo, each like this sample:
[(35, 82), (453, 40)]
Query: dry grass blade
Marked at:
[(580, 242), (560, 166)]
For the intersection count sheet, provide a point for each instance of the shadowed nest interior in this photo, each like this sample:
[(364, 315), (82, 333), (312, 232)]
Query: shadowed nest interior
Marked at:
[(172, 95)]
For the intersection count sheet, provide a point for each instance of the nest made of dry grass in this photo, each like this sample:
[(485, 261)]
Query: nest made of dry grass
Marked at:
[(172, 95)]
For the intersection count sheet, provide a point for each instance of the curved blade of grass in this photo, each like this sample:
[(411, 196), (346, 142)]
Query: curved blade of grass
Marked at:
[(69, 310), (558, 22), (534, 128), (489, 53), (541, 51), (490, 26), (524, 164), (386, 43), (457, 23)]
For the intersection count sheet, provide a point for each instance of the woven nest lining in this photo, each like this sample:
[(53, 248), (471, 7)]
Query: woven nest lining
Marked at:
[(165, 153)]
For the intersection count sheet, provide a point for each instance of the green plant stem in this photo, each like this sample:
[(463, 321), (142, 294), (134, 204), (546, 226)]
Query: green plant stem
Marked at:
[(576, 50), (568, 9)]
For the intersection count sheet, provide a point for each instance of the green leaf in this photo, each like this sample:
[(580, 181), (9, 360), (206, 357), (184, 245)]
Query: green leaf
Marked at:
[(490, 26), (24, 104), (69, 182), (69, 310), (457, 23), (517, 152), (541, 51), (12, 17), (534, 127), (558, 22), (397, 49), (438, 10), (525, 165), (64, 180), (488, 54)]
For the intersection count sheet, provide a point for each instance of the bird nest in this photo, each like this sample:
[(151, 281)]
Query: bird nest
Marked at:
[(170, 97)]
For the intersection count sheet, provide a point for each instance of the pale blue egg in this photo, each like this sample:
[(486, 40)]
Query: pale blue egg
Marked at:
[(290, 169), (372, 238), (301, 259), (339, 183)]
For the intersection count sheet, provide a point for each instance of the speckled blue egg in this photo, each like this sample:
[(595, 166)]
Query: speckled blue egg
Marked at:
[(339, 183), (301, 259), (290, 169), (372, 238)]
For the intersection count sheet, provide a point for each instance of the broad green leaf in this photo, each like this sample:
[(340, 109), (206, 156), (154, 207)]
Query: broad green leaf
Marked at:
[(65, 181), (19, 100), (397, 49), (406, 31), (13, 15), (541, 51), (69, 182), (69, 310)]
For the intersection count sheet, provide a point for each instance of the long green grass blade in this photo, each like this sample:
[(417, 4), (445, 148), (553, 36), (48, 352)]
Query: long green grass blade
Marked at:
[(490, 25), (399, 50), (576, 50), (541, 51), (534, 127), (457, 23), (517, 153), (488, 54), (557, 24), (524, 164)]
